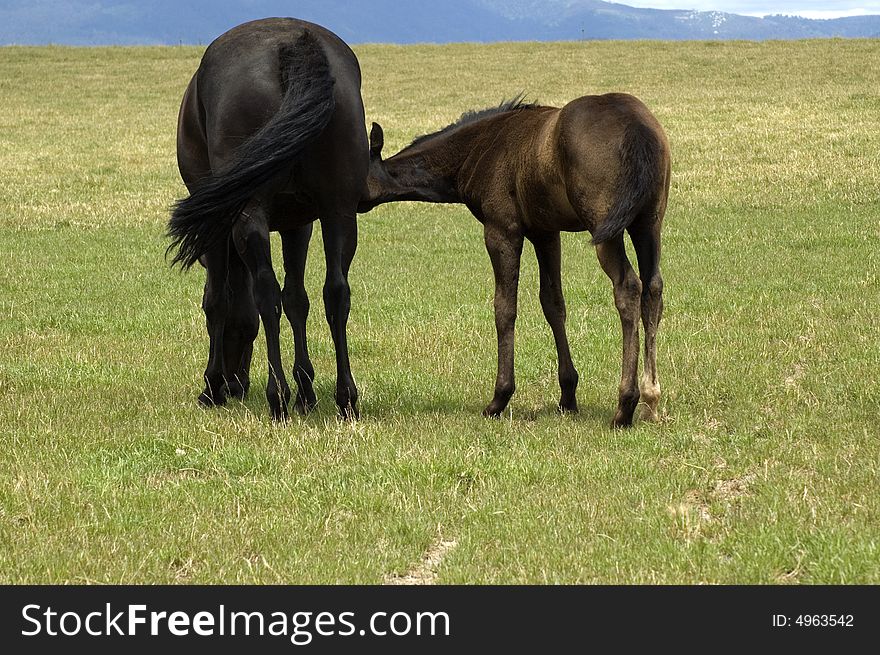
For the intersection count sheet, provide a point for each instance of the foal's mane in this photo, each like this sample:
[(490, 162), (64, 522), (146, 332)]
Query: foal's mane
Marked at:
[(517, 103)]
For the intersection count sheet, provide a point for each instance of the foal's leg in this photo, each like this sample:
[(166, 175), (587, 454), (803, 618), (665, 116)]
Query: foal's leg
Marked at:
[(242, 326), (505, 248), (295, 247), (647, 245), (627, 291), (215, 304), (339, 229), (251, 238), (548, 252)]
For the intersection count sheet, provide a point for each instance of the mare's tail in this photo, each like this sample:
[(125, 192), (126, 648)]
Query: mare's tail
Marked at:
[(208, 215)]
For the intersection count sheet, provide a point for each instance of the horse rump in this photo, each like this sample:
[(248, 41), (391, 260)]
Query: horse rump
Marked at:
[(640, 181), (207, 216)]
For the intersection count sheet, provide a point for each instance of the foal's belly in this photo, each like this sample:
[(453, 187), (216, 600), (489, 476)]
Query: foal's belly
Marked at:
[(545, 207)]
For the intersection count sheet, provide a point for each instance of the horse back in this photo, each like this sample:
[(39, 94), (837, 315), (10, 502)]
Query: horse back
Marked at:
[(540, 177)]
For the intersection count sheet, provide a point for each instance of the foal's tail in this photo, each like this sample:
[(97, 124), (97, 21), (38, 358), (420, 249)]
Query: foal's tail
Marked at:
[(209, 214), (641, 179)]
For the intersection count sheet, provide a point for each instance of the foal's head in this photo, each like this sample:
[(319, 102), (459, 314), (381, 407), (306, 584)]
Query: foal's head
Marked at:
[(379, 180), (415, 173), (426, 169)]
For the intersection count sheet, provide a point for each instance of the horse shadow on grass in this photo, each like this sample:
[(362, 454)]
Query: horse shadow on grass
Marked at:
[(422, 405)]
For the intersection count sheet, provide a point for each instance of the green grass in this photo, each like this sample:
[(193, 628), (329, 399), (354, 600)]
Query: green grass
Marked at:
[(766, 468)]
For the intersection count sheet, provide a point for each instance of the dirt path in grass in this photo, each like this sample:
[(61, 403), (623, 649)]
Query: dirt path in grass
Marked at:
[(425, 572)]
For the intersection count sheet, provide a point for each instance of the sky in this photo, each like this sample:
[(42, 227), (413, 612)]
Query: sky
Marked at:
[(806, 8)]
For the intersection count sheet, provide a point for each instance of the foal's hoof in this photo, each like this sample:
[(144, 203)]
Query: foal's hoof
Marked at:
[(499, 403), (649, 414), (207, 399), (621, 422)]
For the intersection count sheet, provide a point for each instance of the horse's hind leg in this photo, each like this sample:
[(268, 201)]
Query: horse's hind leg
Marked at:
[(251, 238), (646, 241), (548, 252), (339, 229), (627, 293), (505, 249), (295, 247)]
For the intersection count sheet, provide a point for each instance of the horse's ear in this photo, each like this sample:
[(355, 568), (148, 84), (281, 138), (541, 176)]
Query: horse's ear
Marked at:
[(377, 140)]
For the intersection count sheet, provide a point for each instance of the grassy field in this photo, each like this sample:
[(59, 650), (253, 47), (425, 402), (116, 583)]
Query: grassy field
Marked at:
[(765, 468)]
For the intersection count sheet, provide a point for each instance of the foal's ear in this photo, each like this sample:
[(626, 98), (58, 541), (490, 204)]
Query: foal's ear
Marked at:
[(377, 140)]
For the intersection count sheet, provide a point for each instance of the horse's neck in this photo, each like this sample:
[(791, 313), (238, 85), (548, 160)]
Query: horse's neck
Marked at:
[(418, 170)]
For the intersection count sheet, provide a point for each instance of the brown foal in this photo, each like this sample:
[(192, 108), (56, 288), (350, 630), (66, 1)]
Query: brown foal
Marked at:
[(600, 164)]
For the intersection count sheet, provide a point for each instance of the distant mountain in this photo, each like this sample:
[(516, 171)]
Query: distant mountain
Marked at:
[(92, 22), (594, 19)]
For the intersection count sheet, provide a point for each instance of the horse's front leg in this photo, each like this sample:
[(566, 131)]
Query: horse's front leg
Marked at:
[(232, 322), (251, 238), (242, 326), (215, 304), (504, 245), (549, 254)]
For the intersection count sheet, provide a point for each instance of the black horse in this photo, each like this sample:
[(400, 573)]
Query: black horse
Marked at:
[(271, 136), (601, 164)]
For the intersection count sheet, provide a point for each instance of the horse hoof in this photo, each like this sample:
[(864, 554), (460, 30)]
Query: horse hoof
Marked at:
[(304, 405), (280, 414), (306, 400), (621, 422), (349, 413), (238, 389), (492, 411), (568, 408), (206, 399)]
